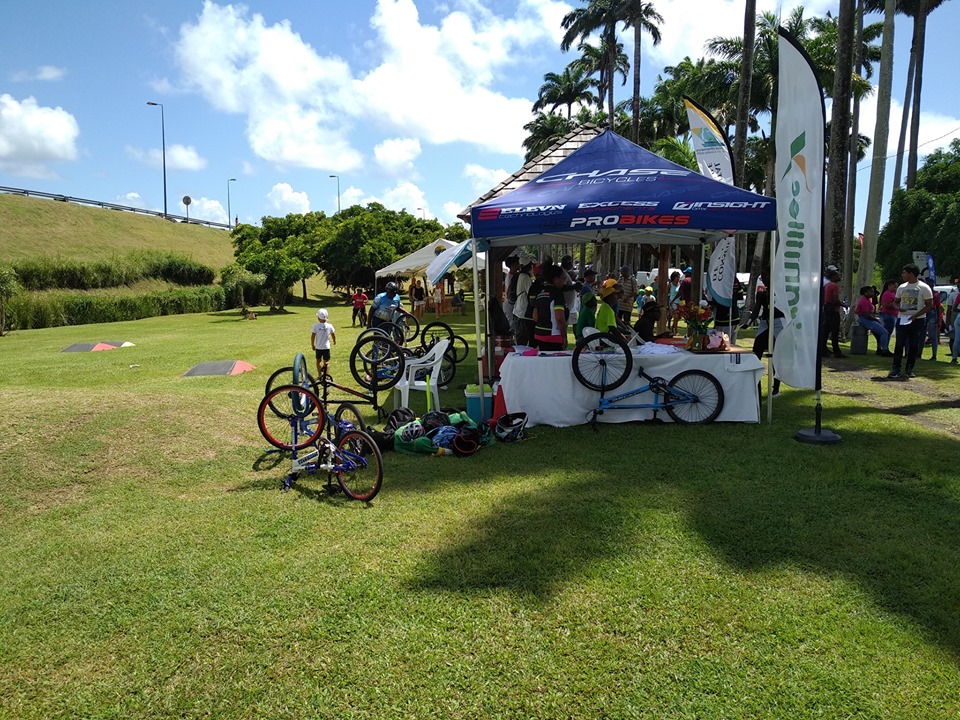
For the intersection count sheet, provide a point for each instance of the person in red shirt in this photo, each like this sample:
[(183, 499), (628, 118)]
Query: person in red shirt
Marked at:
[(868, 319), (360, 307), (831, 314)]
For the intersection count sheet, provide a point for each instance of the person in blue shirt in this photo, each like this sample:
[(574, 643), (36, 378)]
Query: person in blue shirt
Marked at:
[(384, 305)]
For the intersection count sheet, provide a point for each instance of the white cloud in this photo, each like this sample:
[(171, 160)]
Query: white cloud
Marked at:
[(350, 197), (298, 104), (44, 73), (396, 155), (483, 179), (179, 157), (450, 210), (132, 199), (285, 200), (32, 137), (248, 168), (203, 208)]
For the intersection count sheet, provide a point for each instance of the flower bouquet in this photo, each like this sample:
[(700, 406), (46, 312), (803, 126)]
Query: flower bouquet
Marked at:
[(697, 316)]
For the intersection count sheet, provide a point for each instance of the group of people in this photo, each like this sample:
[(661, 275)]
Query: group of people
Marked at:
[(544, 301), (909, 312)]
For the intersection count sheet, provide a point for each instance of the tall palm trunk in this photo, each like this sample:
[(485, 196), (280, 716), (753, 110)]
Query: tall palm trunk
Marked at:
[(740, 131), (905, 117), (852, 176), (871, 227), (839, 150), (612, 65), (635, 124), (921, 33)]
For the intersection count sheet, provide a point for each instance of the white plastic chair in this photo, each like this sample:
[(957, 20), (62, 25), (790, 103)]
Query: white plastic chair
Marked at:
[(427, 369)]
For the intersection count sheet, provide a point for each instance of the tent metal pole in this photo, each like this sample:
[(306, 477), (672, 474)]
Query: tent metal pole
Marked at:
[(481, 346), (770, 319)]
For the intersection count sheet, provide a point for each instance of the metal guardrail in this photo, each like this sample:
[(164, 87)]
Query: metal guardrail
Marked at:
[(111, 206)]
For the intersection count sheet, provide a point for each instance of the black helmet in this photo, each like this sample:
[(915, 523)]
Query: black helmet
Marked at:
[(391, 287), (510, 428)]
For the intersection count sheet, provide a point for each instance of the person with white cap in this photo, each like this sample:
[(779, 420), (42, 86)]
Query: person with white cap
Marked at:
[(518, 292), (322, 334)]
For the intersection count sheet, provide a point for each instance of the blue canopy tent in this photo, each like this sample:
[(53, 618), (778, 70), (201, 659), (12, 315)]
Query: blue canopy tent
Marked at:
[(612, 190)]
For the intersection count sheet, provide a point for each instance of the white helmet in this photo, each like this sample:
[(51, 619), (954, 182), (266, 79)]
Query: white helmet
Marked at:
[(322, 314)]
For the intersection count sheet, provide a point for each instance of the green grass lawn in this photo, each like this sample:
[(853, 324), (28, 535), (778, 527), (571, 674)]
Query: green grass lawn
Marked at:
[(151, 567)]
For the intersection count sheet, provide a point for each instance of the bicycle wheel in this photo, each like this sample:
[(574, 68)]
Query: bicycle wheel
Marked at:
[(700, 399), (359, 466), (376, 363), (602, 361), (348, 413), (434, 331), (282, 377), (372, 331), (461, 348), (301, 422), (447, 370), (409, 326)]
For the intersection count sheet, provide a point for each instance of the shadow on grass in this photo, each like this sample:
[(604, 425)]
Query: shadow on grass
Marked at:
[(876, 510)]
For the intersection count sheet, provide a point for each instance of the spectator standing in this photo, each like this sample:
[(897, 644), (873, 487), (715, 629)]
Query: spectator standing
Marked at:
[(438, 299), (933, 323), (549, 311), (830, 331), (914, 300), (868, 319), (520, 291), (673, 301), (955, 311), (629, 290), (588, 303), (606, 317), (509, 300)]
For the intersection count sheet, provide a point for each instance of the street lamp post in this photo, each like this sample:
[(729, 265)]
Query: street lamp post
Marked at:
[(163, 140), (229, 215), (338, 192)]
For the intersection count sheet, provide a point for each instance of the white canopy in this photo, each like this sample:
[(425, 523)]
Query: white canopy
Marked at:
[(417, 262)]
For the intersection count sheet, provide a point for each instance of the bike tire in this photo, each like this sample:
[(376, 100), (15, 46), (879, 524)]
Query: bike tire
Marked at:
[(447, 370), (433, 332), (377, 363), (372, 331), (602, 361), (348, 412), (461, 348), (707, 391), (303, 409), (359, 466), (409, 326), (282, 377)]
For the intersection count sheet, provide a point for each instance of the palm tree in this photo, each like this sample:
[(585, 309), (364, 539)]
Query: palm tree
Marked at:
[(677, 150), (641, 16), (544, 130), (593, 61), (743, 101), (871, 225), (567, 88), (598, 16), (922, 9)]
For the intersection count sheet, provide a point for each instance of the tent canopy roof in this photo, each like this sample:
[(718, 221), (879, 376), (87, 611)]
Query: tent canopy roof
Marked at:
[(418, 261), (613, 190)]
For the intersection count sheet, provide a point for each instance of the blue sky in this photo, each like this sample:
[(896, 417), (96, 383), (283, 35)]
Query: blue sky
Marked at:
[(415, 104)]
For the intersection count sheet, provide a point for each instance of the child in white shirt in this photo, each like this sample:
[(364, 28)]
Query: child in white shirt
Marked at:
[(321, 335)]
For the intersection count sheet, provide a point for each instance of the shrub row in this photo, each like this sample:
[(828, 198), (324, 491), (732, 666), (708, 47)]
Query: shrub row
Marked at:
[(53, 273), (39, 310)]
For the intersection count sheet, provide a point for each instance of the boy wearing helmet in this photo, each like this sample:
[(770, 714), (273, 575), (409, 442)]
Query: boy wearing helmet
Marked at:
[(384, 305), (321, 335)]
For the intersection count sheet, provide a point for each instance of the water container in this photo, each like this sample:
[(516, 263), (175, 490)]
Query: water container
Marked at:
[(477, 412)]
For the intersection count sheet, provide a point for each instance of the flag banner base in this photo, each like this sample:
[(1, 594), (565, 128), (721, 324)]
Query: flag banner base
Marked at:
[(817, 436)]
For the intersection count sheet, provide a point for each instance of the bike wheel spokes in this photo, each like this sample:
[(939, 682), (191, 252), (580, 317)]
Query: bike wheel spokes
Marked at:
[(694, 397), (300, 423), (410, 326), (461, 348), (348, 413), (358, 465), (433, 332), (602, 361), (376, 363)]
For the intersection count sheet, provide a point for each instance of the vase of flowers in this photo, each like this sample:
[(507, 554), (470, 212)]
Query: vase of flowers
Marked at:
[(697, 316)]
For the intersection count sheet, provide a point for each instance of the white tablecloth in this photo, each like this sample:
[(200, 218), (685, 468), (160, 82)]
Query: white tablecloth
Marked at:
[(545, 388)]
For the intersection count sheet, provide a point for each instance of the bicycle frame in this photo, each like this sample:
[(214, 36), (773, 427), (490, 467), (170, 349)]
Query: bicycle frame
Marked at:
[(662, 397)]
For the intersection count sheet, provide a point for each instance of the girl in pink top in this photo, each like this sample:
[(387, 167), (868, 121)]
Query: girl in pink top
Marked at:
[(888, 308)]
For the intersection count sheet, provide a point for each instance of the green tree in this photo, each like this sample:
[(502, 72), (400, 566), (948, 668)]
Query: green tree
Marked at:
[(9, 287), (642, 17), (543, 131), (236, 282), (926, 216), (599, 16)]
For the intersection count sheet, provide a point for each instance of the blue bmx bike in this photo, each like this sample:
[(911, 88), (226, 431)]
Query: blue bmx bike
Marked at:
[(603, 362), (292, 418)]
